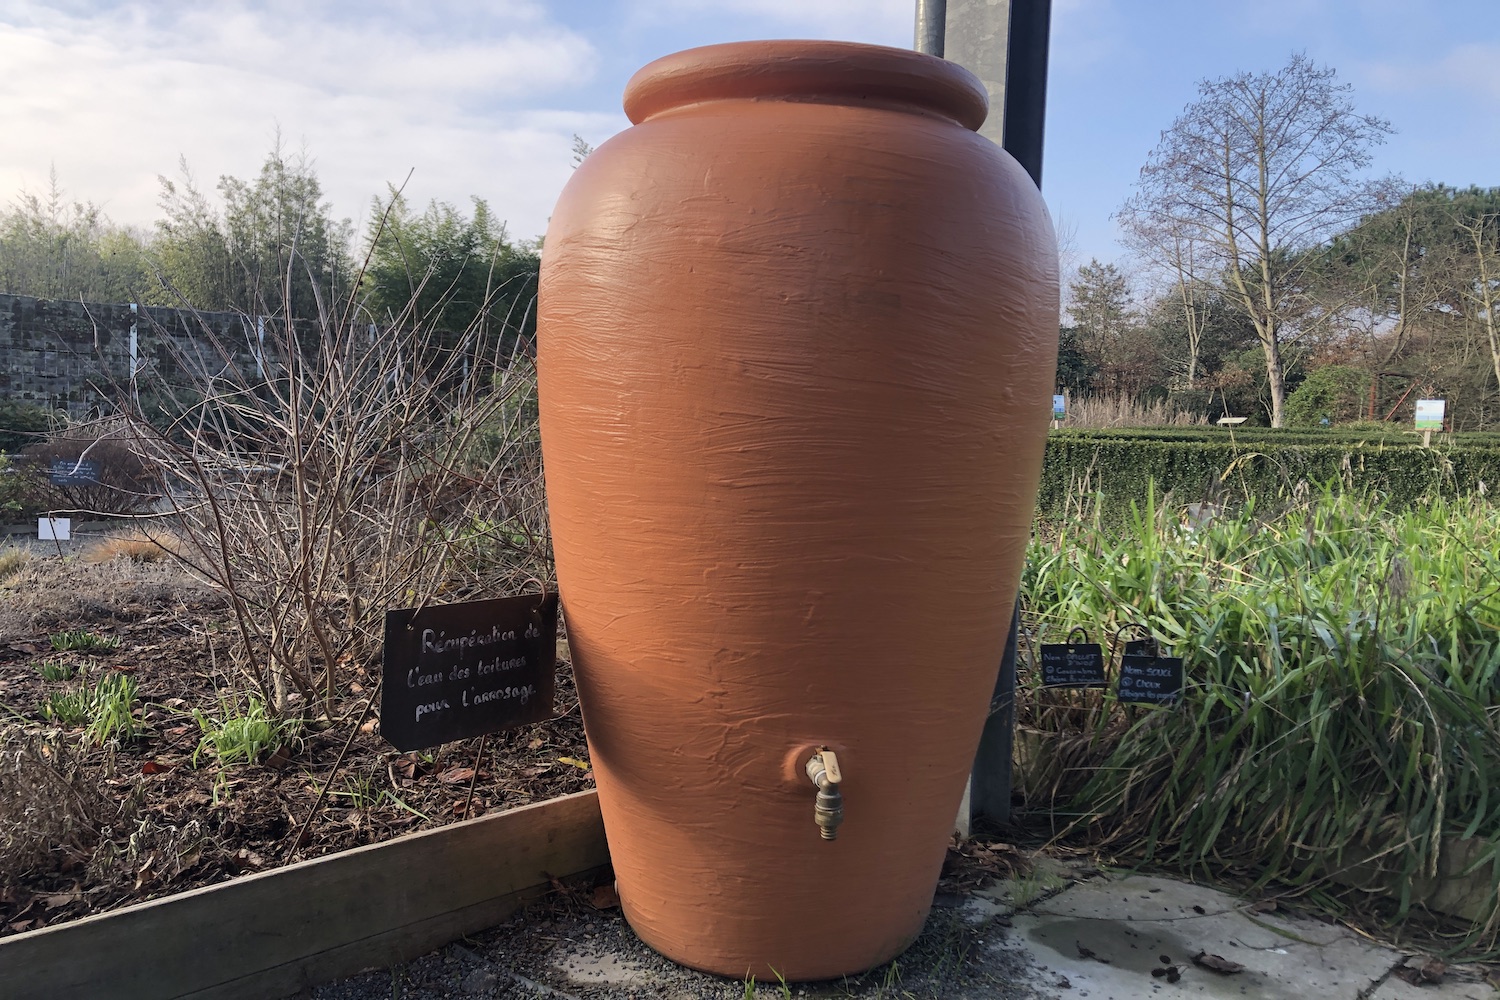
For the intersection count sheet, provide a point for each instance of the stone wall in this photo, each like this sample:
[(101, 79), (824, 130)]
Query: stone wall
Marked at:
[(75, 356)]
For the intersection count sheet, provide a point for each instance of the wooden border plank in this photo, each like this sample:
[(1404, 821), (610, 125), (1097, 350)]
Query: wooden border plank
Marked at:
[(274, 933)]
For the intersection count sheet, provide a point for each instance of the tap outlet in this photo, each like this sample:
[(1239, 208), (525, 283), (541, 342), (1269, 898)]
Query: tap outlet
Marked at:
[(828, 808)]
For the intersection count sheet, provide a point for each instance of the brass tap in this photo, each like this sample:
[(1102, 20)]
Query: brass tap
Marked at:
[(828, 811)]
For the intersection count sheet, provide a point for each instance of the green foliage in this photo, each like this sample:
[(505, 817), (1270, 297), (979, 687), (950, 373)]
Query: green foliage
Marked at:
[(1341, 698), (1271, 467), (106, 709), (288, 253), (1120, 352), (443, 271), (56, 670), (67, 708), (111, 709), (190, 251), (10, 488), (21, 424), (82, 641), (1333, 394), (56, 248), (243, 738)]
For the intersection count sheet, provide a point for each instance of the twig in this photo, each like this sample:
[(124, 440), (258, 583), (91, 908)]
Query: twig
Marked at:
[(474, 778), (323, 792)]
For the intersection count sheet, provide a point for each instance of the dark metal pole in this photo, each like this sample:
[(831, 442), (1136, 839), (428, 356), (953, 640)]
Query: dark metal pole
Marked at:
[(932, 22), (1022, 79), (1026, 83)]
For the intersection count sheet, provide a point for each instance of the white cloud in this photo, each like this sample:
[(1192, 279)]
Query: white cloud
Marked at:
[(113, 97), (888, 22), (1471, 69)]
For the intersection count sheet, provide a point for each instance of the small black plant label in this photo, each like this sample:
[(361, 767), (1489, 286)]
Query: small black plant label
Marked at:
[(1152, 680), (455, 671), (73, 472), (1073, 665)]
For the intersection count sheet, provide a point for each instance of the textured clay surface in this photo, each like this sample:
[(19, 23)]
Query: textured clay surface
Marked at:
[(797, 337)]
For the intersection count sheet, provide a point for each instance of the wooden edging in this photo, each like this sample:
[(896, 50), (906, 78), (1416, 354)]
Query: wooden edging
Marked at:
[(272, 934)]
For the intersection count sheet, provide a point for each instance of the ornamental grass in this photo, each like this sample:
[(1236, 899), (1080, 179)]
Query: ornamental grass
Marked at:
[(1338, 724)]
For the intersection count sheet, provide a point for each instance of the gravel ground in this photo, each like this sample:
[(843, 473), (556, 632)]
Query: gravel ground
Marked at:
[(562, 947)]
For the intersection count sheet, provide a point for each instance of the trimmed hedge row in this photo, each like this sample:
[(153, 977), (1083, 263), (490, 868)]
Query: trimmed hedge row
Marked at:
[(1392, 436), (1120, 468)]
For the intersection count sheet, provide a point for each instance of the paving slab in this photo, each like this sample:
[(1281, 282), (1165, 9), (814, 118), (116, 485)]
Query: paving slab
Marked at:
[(1137, 936), (1449, 989), (1064, 930)]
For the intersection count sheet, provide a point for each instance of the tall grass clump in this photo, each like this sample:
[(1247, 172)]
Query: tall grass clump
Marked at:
[(1123, 410), (1339, 715)]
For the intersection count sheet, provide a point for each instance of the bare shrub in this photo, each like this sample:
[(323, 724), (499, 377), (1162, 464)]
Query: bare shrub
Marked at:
[(125, 483), (337, 470)]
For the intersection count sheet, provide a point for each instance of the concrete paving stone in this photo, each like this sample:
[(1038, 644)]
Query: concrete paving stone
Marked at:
[(1134, 925), (1450, 989)]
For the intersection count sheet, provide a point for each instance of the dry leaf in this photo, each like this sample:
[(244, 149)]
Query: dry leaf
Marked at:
[(535, 744), (582, 765), (155, 767), (1217, 963), (1421, 971), (455, 775), (147, 873), (1087, 953), (190, 857), (1263, 906), (21, 925), (368, 726), (57, 899), (604, 898)]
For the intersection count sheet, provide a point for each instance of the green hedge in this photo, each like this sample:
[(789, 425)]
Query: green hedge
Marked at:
[(1390, 435), (1120, 467)]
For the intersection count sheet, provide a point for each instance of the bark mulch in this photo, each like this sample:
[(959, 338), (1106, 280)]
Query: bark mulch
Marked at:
[(87, 827)]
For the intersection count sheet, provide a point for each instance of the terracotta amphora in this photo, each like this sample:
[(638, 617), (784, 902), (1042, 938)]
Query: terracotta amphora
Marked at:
[(797, 332)]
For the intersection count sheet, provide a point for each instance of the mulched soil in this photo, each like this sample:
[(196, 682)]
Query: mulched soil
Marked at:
[(177, 824)]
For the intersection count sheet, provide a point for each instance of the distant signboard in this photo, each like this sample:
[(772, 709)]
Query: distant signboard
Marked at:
[(455, 671), (54, 529), (1430, 414), (1059, 407), (73, 472)]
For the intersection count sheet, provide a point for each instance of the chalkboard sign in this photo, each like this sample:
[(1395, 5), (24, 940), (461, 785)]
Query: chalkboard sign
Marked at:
[(1073, 664), (1141, 647), (1153, 680), (454, 671), (73, 472)]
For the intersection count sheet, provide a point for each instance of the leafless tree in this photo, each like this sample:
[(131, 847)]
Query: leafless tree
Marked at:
[(1478, 284), (1259, 169)]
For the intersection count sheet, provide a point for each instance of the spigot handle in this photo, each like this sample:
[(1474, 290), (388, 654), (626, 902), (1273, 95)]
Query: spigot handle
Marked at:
[(831, 765)]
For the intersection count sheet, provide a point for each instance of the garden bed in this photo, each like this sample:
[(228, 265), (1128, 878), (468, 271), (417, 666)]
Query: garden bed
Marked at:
[(94, 820)]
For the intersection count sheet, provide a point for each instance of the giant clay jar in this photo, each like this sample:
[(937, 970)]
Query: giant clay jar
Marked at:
[(797, 331)]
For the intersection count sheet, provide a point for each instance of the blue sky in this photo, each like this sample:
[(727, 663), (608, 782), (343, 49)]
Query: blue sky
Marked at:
[(482, 99)]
